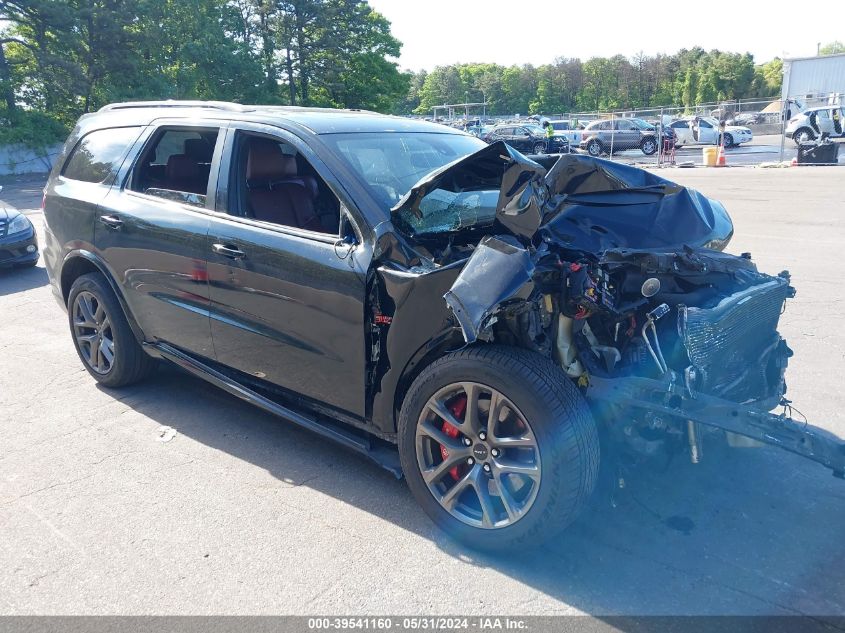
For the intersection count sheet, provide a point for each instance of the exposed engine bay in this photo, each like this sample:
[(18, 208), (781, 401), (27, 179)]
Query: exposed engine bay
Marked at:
[(619, 277)]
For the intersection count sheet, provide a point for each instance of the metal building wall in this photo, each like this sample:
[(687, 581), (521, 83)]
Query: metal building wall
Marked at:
[(813, 75)]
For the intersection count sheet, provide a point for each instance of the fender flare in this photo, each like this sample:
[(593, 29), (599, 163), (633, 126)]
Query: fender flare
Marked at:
[(103, 268)]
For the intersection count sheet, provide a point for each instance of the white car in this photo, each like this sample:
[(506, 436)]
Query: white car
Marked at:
[(808, 125), (567, 130), (705, 131)]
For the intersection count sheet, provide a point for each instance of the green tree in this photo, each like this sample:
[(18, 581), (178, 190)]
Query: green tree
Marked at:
[(832, 48)]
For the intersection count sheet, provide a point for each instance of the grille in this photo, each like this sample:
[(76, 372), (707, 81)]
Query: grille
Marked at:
[(734, 345)]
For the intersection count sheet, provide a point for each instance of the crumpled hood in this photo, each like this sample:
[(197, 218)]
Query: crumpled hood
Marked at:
[(581, 202)]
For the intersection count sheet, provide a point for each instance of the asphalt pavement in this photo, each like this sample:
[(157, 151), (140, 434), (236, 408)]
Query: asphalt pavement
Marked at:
[(105, 510)]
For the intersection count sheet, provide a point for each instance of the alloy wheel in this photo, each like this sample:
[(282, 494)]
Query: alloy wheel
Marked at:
[(478, 455), (93, 332)]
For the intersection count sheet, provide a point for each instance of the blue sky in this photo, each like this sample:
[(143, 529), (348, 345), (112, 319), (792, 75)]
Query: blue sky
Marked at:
[(437, 32)]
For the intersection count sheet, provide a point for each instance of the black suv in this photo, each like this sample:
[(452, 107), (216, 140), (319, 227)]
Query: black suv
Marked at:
[(529, 138), (384, 282)]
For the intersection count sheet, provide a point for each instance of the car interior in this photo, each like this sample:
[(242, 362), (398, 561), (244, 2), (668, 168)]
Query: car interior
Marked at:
[(177, 166), (274, 183)]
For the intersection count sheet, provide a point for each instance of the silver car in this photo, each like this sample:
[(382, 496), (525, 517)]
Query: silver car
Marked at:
[(810, 124)]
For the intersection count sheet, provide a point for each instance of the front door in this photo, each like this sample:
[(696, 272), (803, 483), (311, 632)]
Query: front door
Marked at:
[(287, 297), (153, 231)]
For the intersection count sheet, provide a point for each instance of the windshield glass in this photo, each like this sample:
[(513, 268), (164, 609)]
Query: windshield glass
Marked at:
[(389, 164)]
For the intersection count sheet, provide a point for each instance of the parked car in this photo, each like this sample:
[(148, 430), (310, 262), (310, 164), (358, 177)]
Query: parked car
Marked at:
[(747, 118), (705, 131), (529, 139), (602, 136), (18, 241), (390, 283), (808, 125)]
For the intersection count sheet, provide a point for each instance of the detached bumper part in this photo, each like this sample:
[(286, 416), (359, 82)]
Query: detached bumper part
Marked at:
[(678, 402)]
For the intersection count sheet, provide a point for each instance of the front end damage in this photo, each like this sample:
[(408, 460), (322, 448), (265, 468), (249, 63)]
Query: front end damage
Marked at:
[(619, 277)]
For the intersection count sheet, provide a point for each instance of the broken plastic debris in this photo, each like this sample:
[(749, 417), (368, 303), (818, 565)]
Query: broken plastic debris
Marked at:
[(166, 433)]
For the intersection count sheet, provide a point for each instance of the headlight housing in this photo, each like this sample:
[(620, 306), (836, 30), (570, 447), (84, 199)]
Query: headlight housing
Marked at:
[(19, 224)]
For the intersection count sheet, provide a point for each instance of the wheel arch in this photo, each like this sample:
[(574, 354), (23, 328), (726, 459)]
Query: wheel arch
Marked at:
[(435, 348), (81, 262)]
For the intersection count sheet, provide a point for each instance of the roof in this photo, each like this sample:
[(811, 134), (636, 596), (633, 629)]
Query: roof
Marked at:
[(317, 120)]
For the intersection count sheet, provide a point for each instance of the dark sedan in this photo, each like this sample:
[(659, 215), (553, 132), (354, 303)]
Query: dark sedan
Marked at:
[(18, 242), (529, 139)]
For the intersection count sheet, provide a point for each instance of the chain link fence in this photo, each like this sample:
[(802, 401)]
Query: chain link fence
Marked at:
[(734, 133)]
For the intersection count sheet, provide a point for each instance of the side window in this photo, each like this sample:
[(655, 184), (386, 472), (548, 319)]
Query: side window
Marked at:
[(624, 125), (275, 183), (97, 155), (704, 124), (176, 165)]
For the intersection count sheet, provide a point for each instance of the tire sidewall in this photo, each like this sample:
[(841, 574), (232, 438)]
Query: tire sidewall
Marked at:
[(539, 417), (122, 335)]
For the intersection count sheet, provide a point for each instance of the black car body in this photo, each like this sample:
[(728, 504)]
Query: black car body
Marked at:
[(529, 139), (18, 241), (287, 256)]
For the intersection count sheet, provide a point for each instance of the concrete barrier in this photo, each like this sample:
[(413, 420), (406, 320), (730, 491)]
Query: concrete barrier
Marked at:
[(21, 159)]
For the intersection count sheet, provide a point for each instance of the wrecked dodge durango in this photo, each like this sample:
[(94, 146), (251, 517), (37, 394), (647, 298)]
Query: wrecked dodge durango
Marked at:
[(507, 323)]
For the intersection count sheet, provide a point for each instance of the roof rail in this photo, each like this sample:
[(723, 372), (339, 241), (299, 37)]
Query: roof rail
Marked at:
[(172, 103)]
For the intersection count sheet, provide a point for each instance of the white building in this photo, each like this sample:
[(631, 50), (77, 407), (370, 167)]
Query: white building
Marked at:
[(815, 80)]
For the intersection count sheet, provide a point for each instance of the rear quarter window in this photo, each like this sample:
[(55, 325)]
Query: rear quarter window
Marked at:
[(98, 155)]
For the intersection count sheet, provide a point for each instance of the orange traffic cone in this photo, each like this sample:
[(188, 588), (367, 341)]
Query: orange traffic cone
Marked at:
[(721, 162)]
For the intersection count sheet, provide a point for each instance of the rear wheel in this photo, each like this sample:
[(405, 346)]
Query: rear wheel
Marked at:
[(498, 446), (102, 336)]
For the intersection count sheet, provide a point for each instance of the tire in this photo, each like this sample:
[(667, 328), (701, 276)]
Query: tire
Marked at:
[(803, 135), (558, 420), (729, 140), (129, 362), (648, 146), (594, 148), (539, 148)]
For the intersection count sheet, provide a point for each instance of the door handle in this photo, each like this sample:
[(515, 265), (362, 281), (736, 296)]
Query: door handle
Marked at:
[(111, 221), (231, 252)]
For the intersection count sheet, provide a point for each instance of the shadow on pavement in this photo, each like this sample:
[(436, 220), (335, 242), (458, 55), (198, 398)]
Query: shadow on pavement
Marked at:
[(14, 280), (748, 531)]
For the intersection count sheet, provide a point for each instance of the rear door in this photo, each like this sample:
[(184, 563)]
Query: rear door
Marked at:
[(287, 303), (74, 195), (152, 232), (627, 135)]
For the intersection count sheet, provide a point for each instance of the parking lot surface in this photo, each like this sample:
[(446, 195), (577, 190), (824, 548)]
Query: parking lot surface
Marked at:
[(241, 513)]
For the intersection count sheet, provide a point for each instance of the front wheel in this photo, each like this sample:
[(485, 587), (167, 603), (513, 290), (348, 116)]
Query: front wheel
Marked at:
[(539, 148), (729, 140), (803, 135), (498, 446), (594, 148), (648, 146)]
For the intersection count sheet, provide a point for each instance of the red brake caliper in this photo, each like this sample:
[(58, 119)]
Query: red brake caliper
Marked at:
[(458, 408)]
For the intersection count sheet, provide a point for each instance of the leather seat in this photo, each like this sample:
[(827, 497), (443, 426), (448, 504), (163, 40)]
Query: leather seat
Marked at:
[(276, 192), (182, 173)]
